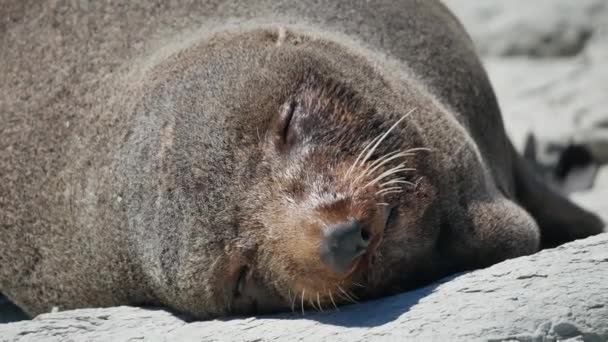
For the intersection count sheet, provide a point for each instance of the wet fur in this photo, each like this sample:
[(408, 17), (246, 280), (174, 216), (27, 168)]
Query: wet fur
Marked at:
[(133, 173)]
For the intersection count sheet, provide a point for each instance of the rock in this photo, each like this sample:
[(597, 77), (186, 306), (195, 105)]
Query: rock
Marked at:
[(596, 139), (556, 294), (546, 28), (549, 75), (555, 99), (559, 99), (596, 199)]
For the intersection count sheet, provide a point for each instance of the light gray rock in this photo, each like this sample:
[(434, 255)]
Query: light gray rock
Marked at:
[(554, 81), (547, 62), (596, 199), (557, 99), (557, 294), (542, 28)]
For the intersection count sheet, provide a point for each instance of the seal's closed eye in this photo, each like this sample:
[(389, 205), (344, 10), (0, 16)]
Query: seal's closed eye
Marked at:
[(285, 135)]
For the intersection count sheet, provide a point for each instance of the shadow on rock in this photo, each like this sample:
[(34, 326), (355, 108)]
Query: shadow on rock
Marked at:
[(10, 312), (366, 314)]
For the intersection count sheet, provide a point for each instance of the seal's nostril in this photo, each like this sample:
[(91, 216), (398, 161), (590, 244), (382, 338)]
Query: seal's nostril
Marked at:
[(343, 243)]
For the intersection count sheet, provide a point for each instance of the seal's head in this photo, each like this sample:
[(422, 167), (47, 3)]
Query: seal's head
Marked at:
[(274, 168), (337, 186)]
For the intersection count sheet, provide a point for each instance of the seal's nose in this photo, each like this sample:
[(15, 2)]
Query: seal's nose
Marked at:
[(343, 243)]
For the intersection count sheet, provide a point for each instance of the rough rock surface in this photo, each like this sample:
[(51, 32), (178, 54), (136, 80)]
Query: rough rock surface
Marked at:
[(553, 295), (543, 28), (547, 61)]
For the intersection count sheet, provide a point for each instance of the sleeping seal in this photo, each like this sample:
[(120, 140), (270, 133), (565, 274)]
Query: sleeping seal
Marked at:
[(239, 157)]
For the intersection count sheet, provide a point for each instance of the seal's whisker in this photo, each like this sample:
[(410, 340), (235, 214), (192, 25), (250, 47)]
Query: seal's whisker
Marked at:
[(393, 192), (302, 302), (390, 192), (357, 284), (361, 154), (312, 303), (397, 181), (402, 165), (345, 298), (348, 296), (398, 155), (331, 297), (370, 169), (342, 294), (382, 203), (384, 157), (398, 168), (375, 162), (353, 300), (383, 136), (417, 149), (380, 192), (293, 301), (319, 302)]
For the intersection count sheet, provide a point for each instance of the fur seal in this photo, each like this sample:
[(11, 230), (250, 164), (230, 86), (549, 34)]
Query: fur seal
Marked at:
[(237, 157)]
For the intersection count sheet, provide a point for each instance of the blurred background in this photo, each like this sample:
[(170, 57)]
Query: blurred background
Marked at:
[(548, 63)]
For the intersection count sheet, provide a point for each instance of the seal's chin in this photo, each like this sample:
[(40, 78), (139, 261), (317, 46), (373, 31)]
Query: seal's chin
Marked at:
[(322, 290)]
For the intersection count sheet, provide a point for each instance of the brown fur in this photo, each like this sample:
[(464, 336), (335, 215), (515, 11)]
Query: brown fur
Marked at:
[(142, 160)]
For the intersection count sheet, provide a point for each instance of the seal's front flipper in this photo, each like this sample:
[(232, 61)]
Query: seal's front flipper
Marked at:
[(559, 219)]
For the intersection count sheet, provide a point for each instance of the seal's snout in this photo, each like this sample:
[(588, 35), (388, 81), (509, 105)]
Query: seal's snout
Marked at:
[(343, 243)]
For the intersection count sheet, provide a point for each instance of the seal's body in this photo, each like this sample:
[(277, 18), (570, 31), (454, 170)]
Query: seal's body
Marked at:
[(238, 157)]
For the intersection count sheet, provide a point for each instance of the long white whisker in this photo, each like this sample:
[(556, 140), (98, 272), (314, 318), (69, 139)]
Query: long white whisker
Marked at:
[(379, 192), (417, 149), (312, 303), (350, 169), (370, 169), (331, 297), (375, 162), (293, 301), (348, 297), (319, 302), (384, 157), (398, 155), (390, 192), (397, 181), (388, 173), (302, 303), (373, 149), (345, 298)]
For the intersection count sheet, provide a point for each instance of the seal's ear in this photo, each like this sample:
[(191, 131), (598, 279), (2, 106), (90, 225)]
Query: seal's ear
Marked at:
[(559, 219)]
